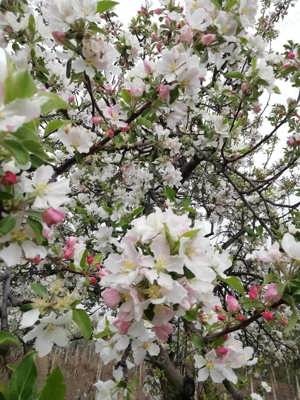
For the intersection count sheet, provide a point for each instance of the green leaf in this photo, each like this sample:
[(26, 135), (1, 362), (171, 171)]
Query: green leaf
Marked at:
[(55, 387), (106, 5), (56, 124), (174, 94), (6, 196), (170, 193), (18, 85), (23, 380), (35, 148), (234, 75), (7, 339), (191, 234), (217, 3), (54, 103), (197, 341), (39, 289), (16, 150), (37, 228), (83, 263), (235, 284), (7, 224), (31, 25), (83, 322), (230, 4), (173, 244), (192, 315)]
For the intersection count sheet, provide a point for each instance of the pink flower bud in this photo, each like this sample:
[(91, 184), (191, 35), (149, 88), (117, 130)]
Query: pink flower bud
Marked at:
[(9, 178), (164, 92), (111, 297), (36, 260), (267, 315), (222, 351), (52, 216), (96, 120), (291, 55), (218, 308), (46, 233), (157, 11), (232, 304), (240, 317), (163, 331), (253, 292), (257, 108), (125, 128), (122, 326), (69, 248), (286, 65), (221, 317), (271, 295), (90, 260), (93, 280), (208, 39), (71, 99), (291, 141), (186, 35), (59, 36), (159, 47), (154, 36), (245, 88), (110, 133)]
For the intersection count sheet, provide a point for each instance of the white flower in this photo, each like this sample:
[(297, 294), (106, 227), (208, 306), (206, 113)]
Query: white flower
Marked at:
[(98, 52), (13, 254), (256, 396), (266, 387), (29, 318), (66, 12), (172, 63), (140, 349), (226, 24), (77, 138), (247, 12), (51, 330), (200, 20), (164, 261), (106, 390), (213, 366), (46, 194), (291, 246), (197, 254), (147, 227)]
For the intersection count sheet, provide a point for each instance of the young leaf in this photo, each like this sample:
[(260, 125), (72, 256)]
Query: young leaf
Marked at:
[(56, 124), (235, 284), (19, 85), (23, 380), (106, 5), (17, 151), (83, 322), (7, 224), (54, 103), (7, 339), (39, 289), (55, 387)]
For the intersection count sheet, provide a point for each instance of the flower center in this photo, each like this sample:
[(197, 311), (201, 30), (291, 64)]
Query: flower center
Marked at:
[(153, 292), (41, 189), (129, 265), (160, 264)]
